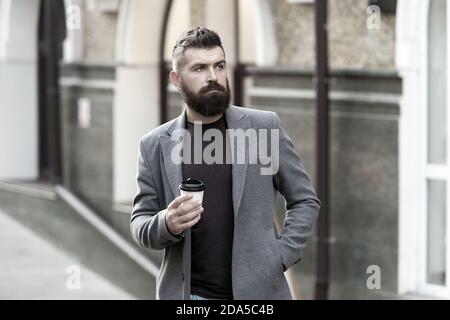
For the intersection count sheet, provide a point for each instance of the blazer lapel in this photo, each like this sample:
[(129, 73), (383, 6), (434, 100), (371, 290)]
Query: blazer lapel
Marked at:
[(237, 120), (173, 170)]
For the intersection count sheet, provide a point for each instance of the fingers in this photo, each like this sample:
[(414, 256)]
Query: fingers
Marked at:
[(187, 207), (183, 212), (177, 223), (179, 200), (189, 224), (191, 215)]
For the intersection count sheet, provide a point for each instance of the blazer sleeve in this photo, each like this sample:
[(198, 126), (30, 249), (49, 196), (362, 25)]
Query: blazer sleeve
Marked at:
[(148, 221), (302, 204)]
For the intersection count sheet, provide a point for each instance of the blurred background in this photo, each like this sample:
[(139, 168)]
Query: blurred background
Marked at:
[(82, 81)]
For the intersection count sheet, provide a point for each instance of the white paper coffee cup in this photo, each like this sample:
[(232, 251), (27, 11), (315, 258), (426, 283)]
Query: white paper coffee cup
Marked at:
[(193, 186)]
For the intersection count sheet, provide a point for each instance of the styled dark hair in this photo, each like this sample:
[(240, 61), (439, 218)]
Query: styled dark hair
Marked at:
[(198, 37)]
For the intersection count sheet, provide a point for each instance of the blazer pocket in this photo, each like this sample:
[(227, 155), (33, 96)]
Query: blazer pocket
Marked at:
[(274, 245), (280, 256)]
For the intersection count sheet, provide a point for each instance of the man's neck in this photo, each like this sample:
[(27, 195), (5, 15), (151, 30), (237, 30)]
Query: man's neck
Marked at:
[(193, 116)]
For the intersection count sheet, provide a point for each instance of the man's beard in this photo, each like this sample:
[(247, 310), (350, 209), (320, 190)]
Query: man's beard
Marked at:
[(207, 103)]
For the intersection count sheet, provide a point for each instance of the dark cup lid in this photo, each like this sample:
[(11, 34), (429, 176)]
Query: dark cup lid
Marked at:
[(192, 185)]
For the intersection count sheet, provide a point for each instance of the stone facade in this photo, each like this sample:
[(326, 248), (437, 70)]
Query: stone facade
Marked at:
[(351, 44), (99, 36), (197, 12)]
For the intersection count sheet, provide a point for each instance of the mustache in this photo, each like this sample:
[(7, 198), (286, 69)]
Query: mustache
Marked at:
[(212, 86)]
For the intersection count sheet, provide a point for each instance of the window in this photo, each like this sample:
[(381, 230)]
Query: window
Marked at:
[(433, 275), (424, 193)]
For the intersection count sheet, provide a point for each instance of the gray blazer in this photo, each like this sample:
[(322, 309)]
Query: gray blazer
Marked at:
[(259, 255)]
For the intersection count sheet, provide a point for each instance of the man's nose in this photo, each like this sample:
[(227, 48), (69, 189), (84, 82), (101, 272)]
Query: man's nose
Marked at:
[(212, 77)]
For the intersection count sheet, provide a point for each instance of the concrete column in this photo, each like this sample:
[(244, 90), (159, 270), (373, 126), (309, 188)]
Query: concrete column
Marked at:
[(18, 89), (136, 102)]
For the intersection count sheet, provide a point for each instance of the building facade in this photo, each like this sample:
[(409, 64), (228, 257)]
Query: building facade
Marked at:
[(388, 118)]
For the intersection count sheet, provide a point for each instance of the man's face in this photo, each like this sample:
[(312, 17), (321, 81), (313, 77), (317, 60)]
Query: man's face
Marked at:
[(203, 81)]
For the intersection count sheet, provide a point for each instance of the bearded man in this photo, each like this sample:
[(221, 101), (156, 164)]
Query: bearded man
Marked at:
[(225, 246)]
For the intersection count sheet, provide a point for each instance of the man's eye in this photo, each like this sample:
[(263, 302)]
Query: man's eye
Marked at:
[(221, 66), (199, 68)]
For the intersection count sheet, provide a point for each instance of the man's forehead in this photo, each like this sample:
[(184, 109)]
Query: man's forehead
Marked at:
[(203, 56)]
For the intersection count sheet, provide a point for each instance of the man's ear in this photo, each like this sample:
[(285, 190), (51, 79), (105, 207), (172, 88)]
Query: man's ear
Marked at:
[(175, 78)]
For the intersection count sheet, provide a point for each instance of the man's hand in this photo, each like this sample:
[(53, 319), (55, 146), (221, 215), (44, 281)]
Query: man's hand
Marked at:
[(182, 213)]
